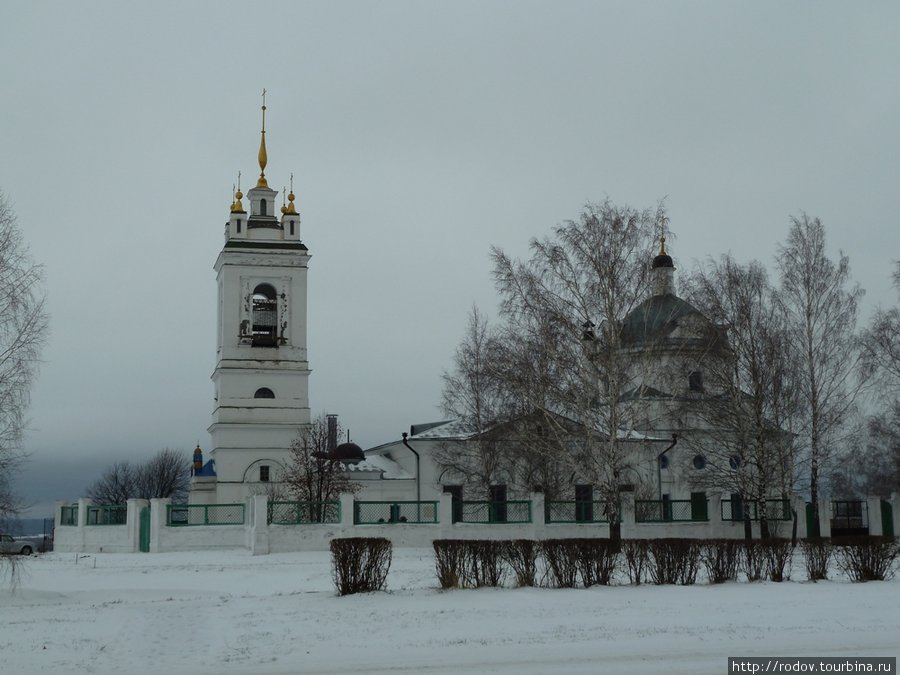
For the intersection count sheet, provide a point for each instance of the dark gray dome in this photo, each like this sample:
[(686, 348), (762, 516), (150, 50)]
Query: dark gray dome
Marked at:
[(662, 260), (348, 452)]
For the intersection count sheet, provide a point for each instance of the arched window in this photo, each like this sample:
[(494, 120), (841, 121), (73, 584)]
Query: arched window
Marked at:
[(262, 207), (265, 316), (264, 392)]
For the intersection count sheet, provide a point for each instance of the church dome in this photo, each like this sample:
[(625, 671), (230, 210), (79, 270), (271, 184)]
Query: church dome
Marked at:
[(348, 452), (655, 318), (662, 260)]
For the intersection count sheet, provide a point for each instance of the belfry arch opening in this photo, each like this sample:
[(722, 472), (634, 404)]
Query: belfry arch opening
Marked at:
[(265, 316)]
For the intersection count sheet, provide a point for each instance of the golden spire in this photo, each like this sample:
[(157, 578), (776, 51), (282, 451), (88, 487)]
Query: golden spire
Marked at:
[(662, 246), (263, 159), (283, 207), (291, 210), (236, 206)]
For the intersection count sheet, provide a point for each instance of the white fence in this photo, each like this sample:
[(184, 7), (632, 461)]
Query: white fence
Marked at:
[(255, 534)]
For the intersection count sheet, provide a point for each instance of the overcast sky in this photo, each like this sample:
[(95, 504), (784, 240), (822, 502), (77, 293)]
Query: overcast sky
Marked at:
[(419, 134)]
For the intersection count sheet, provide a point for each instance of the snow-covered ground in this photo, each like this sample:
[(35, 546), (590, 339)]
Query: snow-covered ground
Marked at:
[(215, 612)]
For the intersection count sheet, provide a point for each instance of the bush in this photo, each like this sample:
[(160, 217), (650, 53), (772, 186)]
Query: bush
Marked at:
[(867, 558), (462, 563), (450, 562), (817, 553), (720, 558), (778, 555), (562, 559), (636, 559), (673, 561), (522, 555), (360, 564), (597, 560), (753, 560), (486, 562)]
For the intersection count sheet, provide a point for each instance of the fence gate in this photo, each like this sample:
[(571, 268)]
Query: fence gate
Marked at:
[(887, 519), (144, 532)]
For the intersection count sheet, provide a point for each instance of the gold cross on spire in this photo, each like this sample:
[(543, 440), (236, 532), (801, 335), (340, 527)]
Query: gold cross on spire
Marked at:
[(263, 158)]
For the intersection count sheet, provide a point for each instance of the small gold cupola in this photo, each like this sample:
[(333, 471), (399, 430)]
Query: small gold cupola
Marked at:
[(291, 209), (237, 206)]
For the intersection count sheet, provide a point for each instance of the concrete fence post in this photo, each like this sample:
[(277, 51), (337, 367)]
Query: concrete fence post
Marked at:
[(538, 509), (445, 514), (873, 506), (825, 518), (158, 508), (715, 526), (133, 523), (348, 504), (627, 516), (259, 525), (798, 507), (83, 505)]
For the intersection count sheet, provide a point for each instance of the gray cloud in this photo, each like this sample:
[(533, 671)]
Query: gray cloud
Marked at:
[(419, 134)]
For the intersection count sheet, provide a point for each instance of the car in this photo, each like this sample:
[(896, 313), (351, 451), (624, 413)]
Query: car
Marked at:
[(10, 545)]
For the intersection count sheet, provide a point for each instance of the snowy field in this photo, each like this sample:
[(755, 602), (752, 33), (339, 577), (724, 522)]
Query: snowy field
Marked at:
[(228, 612)]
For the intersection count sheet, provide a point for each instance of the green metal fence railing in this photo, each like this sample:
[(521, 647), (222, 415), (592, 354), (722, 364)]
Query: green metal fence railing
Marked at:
[(576, 512), (492, 512), (377, 513), (181, 515), (670, 510), (735, 510), (303, 513), (68, 515), (106, 515)]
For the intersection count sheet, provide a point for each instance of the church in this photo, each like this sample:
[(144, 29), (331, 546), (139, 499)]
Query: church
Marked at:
[(671, 484), (261, 383)]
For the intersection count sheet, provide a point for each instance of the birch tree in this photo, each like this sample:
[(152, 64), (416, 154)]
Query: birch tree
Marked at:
[(820, 304), (752, 400), (23, 332)]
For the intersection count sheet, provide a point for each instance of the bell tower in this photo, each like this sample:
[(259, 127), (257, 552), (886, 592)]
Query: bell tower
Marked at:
[(261, 377)]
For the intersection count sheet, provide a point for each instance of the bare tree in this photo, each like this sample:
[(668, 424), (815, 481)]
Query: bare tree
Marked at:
[(820, 306), (166, 474), (116, 485), (751, 401), (313, 475), (881, 346), (23, 331)]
